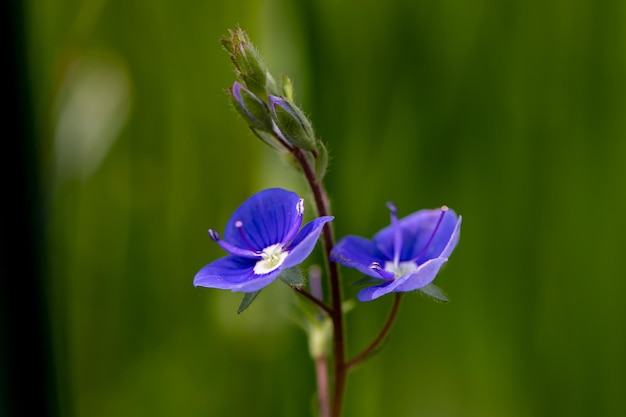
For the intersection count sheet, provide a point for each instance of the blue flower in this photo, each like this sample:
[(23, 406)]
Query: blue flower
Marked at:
[(263, 237), (406, 255)]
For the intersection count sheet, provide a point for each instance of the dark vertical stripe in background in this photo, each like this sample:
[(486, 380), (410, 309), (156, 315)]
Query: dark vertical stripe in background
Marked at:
[(26, 381)]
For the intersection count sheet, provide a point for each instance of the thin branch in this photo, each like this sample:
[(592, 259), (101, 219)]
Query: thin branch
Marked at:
[(310, 297), (383, 332), (321, 202)]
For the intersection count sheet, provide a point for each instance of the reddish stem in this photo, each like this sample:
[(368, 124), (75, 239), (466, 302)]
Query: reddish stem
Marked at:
[(310, 297), (321, 202), (381, 336)]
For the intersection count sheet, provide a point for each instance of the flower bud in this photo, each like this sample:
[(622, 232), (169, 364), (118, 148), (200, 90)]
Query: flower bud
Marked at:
[(293, 124), (253, 110), (248, 63)]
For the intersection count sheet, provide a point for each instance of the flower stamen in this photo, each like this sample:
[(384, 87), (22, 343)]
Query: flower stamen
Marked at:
[(215, 237), (295, 226), (232, 249), (239, 226)]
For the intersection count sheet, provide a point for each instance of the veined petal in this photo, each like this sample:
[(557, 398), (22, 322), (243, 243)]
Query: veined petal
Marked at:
[(419, 278), (371, 293), (409, 225), (257, 282), (233, 273), (359, 253), (449, 224), (266, 219), (225, 272), (417, 230), (304, 242), (454, 239)]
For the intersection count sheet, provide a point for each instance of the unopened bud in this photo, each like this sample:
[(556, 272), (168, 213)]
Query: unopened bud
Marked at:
[(292, 123), (248, 63), (253, 110)]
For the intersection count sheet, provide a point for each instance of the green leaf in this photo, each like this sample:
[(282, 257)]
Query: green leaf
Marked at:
[(367, 280), (248, 298), (434, 292), (292, 276)]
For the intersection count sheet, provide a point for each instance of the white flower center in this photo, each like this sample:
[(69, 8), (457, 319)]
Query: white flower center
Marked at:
[(271, 258), (402, 268)]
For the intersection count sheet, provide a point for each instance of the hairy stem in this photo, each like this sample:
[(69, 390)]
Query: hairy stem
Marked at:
[(321, 202)]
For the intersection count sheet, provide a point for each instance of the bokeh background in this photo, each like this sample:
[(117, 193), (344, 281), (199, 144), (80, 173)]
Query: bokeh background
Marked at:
[(512, 113)]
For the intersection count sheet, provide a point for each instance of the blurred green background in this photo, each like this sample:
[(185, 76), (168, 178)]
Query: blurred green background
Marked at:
[(512, 113)]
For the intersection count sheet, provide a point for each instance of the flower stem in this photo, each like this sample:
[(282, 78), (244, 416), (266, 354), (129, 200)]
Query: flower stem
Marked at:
[(321, 202), (381, 336)]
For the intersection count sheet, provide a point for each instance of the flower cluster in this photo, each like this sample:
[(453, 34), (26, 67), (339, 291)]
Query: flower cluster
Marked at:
[(267, 107), (265, 239), (263, 236)]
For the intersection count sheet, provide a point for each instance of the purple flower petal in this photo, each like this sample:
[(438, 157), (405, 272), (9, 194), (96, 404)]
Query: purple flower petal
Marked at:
[(420, 243), (417, 229), (233, 273), (421, 277), (454, 239), (424, 275), (371, 293), (359, 253), (266, 219), (304, 242), (256, 237)]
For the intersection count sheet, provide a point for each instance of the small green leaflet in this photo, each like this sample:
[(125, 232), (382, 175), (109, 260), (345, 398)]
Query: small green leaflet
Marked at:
[(248, 298), (435, 292), (292, 276)]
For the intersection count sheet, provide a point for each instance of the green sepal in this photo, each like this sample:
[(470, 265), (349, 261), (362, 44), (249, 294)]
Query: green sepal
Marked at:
[(294, 125), (253, 110), (434, 292), (292, 277), (249, 65), (248, 298)]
